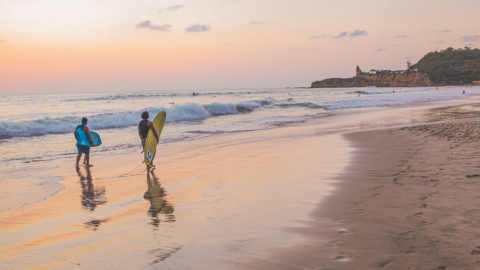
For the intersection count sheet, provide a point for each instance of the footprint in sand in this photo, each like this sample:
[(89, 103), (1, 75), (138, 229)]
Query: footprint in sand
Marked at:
[(334, 243), (385, 263), (406, 235), (344, 257), (475, 251), (378, 188), (346, 230), (395, 181), (411, 250), (376, 195), (424, 206), (361, 211)]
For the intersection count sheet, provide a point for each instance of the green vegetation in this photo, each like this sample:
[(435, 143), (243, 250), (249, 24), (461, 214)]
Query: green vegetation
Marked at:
[(451, 66)]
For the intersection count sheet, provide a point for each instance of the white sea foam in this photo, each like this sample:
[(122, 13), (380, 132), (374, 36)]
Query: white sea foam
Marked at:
[(29, 189), (390, 91)]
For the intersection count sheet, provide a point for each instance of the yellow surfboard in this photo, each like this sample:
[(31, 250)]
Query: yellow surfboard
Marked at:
[(151, 142)]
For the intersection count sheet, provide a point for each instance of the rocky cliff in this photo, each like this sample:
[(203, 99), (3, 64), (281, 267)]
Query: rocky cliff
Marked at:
[(381, 79)]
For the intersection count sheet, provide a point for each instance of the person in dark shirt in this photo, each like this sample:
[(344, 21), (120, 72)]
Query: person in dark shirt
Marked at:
[(143, 127)]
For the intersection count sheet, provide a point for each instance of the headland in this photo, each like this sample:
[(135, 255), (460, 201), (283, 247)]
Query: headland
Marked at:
[(446, 67), (379, 78)]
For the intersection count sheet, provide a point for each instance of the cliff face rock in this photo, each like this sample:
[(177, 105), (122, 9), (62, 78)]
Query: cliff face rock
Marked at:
[(381, 79)]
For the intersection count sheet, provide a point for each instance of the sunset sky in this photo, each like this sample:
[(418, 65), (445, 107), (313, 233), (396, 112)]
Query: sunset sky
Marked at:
[(106, 45)]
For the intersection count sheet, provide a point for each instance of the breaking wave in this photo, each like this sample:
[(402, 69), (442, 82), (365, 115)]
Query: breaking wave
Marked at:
[(184, 112)]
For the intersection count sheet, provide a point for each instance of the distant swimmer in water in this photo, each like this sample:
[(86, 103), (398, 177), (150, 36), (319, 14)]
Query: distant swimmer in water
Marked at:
[(143, 127), (464, 92), (83, 149)]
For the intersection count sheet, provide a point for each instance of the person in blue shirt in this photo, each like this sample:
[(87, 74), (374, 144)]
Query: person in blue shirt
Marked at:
[(83, 149)]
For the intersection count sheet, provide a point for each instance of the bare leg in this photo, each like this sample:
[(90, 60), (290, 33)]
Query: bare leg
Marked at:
[(87, 157), (79, 156)]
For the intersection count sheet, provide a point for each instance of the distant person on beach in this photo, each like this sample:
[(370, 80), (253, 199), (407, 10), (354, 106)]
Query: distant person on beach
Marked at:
[(83, 149), (143, 127)]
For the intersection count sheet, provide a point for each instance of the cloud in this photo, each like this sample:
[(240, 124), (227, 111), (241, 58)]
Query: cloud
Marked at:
[(148, 24), (342, 34), (469, 45), (402, 36), (321, 36), (198, 28), (444, 31), (2, 40), (408, 57), (255, 22), (439, 41), (380, 50), (470, 38), (172, 8), (357, 33)]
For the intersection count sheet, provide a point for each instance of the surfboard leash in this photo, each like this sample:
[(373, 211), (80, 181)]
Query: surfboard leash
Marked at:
[(126, 174)]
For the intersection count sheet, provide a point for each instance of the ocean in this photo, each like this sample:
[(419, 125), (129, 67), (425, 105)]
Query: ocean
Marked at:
[(36, 130)]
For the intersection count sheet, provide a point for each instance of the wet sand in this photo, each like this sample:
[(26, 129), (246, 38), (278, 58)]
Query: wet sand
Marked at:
[(409, 200), (272, 199), (209, 203)]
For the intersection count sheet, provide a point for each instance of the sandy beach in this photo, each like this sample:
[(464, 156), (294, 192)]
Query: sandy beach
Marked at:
[(370, 193)]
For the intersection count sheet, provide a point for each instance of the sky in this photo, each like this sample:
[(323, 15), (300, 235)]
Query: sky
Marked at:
[(106, 45)]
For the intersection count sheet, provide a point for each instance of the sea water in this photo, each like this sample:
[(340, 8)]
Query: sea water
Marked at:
[(36, 130)]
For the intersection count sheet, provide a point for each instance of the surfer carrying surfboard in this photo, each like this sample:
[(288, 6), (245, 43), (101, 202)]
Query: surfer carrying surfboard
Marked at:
[(143, 127), (83, 149)]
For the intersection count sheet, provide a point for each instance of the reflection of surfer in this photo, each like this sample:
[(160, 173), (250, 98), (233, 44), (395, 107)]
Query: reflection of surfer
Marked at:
[(83, 149), (143, 127), (91, 196), (158, 205)]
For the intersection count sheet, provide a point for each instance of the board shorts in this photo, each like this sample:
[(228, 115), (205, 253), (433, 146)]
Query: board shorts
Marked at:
[(83, 149), (143, 143)]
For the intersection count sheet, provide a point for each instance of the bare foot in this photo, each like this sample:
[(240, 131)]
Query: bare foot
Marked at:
[(89, 165)]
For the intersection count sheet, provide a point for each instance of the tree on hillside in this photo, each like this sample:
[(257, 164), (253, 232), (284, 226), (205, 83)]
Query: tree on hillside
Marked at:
[(451, 66)]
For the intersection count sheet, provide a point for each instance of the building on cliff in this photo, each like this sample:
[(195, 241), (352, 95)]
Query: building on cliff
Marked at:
[(378, 78)]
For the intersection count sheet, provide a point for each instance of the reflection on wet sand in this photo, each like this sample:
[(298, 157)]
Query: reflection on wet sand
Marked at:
[(94, 223), (158, 205), (91, 196)]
